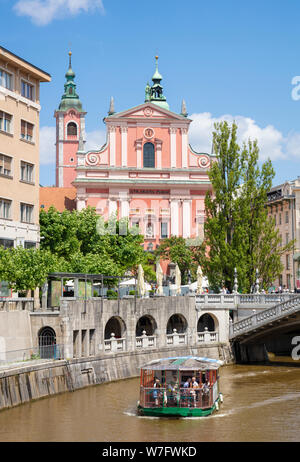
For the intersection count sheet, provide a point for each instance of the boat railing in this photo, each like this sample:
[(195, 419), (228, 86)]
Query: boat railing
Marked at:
[(177, 338), (183, 397)]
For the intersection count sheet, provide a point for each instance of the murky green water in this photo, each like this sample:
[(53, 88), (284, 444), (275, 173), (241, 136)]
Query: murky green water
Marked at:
[(261, 403)]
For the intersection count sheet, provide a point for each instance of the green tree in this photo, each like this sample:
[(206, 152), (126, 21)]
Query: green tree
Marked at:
[(26, 269), (177, 250), (238, 231)]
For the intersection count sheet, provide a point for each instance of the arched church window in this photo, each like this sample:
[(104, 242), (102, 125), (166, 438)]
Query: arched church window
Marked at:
[(149, 155), (72, 129)]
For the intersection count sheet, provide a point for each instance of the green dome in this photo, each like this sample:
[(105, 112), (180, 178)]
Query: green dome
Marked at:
[(70, 99)]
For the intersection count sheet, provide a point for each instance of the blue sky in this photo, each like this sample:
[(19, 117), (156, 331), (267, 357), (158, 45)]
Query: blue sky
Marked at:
[(232, 59)]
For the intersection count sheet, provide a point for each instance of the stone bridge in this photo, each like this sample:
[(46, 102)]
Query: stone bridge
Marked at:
[(271, 330)]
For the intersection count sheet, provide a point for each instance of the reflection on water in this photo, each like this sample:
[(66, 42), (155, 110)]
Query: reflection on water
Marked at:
[(261, 403)]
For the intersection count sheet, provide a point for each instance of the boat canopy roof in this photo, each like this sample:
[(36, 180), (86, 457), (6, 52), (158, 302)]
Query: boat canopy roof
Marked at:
[(183, 363)]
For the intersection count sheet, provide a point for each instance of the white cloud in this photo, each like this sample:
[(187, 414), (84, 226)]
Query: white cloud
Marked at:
[(95, 140), (42, 12), (271, 141)]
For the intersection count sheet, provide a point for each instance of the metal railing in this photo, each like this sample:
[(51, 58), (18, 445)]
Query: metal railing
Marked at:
[(49, 352), (181, 398), (264, 317)]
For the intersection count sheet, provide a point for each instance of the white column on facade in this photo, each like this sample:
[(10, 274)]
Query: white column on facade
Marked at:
[(158, 145), (124, 207), (82, 127), (80, 203), (124, 131), (112, 146), (184, 147), (174, 217), (173, 146), (138, 147), (60, 142), (186, 218), (112, 207)]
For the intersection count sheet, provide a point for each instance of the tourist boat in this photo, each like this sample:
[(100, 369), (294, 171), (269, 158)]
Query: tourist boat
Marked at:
[(165, 388)]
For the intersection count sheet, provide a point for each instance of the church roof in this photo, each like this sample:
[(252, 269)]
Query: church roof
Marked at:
[(70, 99)]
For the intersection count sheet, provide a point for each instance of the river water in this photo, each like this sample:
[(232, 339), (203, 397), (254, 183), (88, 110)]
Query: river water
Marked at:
[(261, 403)]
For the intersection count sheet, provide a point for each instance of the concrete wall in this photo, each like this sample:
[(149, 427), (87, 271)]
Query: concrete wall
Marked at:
[(15, 333), (23, 384), (80, 325)]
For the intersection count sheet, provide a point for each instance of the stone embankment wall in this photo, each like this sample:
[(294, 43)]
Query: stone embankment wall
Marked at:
[(25, 383)]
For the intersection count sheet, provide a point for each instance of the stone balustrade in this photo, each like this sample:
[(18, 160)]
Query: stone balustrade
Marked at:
[(264, 317)]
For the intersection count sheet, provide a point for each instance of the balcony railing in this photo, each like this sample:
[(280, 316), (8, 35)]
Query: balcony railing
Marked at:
[(114, 344), (146, 341), (207, 337), (176, 338)]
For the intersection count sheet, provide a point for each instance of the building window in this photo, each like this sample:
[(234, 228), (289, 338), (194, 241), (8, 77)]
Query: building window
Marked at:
[(149, 230), (26, 130), (72, 129), (5, 122), (7, 243), (26, 213), (163, 229), (287, 238), (5, 165), (288, 281), (5, 207), (27, 90), (29, 245), (27, 172), (286, 217), (280, 218), (149, 155), (5, 79), (287, 262)]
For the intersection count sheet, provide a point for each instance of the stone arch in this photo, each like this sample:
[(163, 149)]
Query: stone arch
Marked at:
[(147, 323), (207, 322), (177, 321), (47, 342), (148, 155), (72, 128), (115, 325)]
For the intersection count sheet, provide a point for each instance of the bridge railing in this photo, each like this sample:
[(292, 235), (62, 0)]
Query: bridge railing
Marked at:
[(242, 299), (264, 317)]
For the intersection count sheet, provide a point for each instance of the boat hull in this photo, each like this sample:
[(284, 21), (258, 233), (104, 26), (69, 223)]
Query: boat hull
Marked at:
[(177, 411)]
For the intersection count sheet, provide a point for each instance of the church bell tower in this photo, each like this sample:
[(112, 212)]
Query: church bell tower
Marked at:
[(70, 128)]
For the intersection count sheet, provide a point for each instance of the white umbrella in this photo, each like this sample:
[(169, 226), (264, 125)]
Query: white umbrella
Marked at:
[(140, 281), (178, 279), (159, 279), (199, 280)]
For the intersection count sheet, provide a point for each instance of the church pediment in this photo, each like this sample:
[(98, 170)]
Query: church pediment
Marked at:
[(148, 111)]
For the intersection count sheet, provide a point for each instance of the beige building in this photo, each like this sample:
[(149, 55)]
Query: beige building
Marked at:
[(284, 207), (19, 150)]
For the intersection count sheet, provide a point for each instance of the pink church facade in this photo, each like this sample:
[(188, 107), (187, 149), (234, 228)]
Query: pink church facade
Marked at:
[(146, 171)]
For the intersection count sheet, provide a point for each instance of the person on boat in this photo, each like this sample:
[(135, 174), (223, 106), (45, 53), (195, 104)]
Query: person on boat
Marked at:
[(156, 392), (194, 393), (205, 391)]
